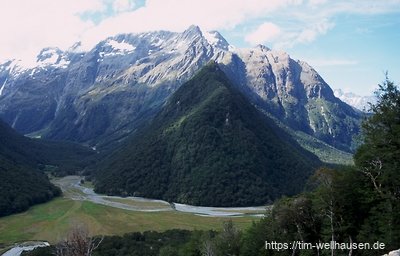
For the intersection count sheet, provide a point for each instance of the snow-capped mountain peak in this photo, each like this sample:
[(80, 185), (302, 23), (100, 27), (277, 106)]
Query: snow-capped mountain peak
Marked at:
[(215, 39), (49, 55), (48, 58), (354, 100), (150, 66), (52, 56)]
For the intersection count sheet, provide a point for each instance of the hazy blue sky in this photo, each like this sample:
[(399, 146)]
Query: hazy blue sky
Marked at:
[(351, 43)]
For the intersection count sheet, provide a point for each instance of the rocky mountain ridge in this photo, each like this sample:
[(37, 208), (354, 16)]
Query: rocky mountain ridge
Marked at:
[(104, 94)]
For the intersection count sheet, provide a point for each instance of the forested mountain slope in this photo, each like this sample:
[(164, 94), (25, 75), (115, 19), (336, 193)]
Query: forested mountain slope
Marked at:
[(208, 146), (22, 160)]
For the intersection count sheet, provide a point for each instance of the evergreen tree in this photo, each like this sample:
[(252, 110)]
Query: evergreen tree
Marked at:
[(379, 160), (379, 156)]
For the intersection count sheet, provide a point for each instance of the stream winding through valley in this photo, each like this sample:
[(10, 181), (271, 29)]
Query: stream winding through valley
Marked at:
[(73, 189)]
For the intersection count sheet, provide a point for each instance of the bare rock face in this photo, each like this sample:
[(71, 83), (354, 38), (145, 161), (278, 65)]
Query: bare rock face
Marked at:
[(105, 93)]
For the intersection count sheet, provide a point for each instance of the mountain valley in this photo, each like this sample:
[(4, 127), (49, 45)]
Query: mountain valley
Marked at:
[(100, 96), (205, 148)]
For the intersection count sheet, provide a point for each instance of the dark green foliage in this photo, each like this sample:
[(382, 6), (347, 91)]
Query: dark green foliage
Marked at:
[(150, 243), (292, 219), (358, 215), (22, 187), (147, 243), (228, 240), (22, 162), (253, 240), (379, 156), (379, 160), (208, 146), (65, 157)]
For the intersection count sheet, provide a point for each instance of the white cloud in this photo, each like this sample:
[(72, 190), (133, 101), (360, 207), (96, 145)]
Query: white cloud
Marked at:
[(27, 26), (210, 14), (40, 23), (284, 37), (314, 18), (365, 7), (177, 15), (315, 3), (266, 32), (310, 33), (123, 5)]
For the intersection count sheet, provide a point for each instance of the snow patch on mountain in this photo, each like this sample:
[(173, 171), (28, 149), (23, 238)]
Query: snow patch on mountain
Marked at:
[(120, 47), (115, 47), (215, 39), (18, 67), (2, 87), (48, 58), (53, 57)]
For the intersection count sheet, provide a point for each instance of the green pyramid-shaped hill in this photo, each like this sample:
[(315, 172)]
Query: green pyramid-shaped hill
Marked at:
[(208, 146)]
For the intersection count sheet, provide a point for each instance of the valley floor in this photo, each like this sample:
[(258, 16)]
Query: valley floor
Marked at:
[(73, 189), (51, 221)]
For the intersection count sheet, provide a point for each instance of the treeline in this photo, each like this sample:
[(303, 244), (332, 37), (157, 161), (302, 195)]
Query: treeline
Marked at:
[(344, 209)]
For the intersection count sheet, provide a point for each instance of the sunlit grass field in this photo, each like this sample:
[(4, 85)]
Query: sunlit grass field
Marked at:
[(52, 220)]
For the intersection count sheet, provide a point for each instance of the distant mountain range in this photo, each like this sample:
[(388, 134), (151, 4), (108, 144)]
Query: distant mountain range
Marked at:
[(98, 97), (354, 100)]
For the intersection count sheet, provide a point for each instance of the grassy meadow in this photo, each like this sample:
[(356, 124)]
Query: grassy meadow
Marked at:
[(52, 220)]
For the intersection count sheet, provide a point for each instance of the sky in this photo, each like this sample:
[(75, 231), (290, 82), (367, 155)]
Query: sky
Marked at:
[(351, 43)]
